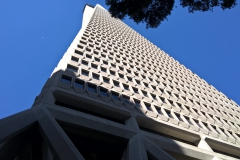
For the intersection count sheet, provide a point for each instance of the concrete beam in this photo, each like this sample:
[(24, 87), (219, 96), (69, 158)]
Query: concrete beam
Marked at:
[(14, 146), (136, 149), (15, 124), (60, 145), (92, 122), (156, 151)]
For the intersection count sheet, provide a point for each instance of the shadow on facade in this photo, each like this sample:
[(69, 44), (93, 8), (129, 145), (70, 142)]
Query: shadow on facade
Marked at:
[(67, 122)]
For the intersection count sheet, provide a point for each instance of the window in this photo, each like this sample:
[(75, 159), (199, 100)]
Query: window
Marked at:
[(126, 87), (128, 71), (184, 98), (94, 66), (136, 74), (75, 59), (163, 100), (85, 63), (72, 68), (115, 96), (127, 100), (121, 68), (154, 88), (176, 95), (125, 64), (158, 110), (129, 79), (179, 105), (103, 92), (88, 56), (97, 59), (169, 114), (169, 93), (145, 93), (113, 65), (188, 119), (85, 73), (145, 84), (179, 117), (223, 131), (109, 57), (154, 96), (238, 135), (138, 82), (103, 55), (197, 122), (106, 80), (171, 102), (66, 79), (78, 52), (231, 134), (103, 69), (105, 62), (78, 83), (121, 76), (195, 110), (116, 84), (161, 90), (79, 46), (92, 88), (205, 124), (135, 90), (137, 103), (148, 106), (95, 76), (95, 52), (112, 73)]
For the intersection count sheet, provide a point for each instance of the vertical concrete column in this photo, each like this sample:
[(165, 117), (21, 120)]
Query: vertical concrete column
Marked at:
[(47, 155), (132, 123), (136, 149), (155, 151), (203, 144)]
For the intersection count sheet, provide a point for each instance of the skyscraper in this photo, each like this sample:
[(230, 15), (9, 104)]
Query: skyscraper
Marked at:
[(115, 95)]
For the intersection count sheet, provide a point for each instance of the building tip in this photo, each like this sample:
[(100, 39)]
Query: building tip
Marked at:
[(89, 5)]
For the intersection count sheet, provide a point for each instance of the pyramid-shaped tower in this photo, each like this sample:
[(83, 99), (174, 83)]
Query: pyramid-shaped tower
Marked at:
[(115, 95)]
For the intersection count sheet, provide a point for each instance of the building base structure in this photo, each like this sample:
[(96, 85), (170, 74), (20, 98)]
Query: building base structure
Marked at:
[(87, 110)]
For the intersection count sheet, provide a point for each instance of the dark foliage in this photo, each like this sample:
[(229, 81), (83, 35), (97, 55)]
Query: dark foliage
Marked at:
[(207, 5), (153, 12)]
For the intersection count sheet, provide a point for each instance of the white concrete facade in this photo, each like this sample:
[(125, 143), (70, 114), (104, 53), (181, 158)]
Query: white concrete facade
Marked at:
[(112, 82)]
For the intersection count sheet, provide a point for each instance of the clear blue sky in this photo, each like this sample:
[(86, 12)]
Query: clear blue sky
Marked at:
[(35, 34)]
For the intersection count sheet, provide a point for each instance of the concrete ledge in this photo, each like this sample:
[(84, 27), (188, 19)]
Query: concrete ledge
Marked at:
[(167, 129), (162, 117), (89, 104), (178, 148), (223, 147), (88, 121)]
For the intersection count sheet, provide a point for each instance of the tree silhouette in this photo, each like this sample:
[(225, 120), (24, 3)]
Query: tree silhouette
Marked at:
[(153, 12)]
